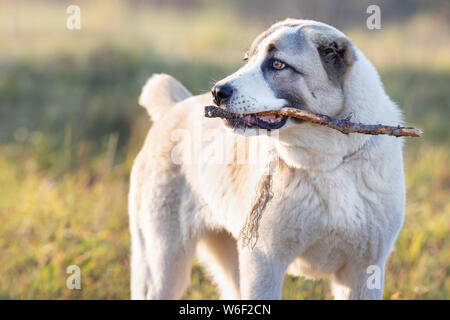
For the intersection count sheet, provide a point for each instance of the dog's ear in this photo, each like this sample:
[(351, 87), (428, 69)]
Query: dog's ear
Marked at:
[(337, 56)]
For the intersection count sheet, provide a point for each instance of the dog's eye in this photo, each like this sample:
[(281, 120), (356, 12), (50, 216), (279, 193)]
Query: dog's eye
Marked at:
[(245, 57), (278, 65)]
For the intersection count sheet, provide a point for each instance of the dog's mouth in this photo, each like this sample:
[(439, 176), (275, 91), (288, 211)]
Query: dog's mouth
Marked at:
[(255, 120), (268, 120)]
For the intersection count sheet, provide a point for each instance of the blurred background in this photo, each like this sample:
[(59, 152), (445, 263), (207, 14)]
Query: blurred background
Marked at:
[(70, 128)]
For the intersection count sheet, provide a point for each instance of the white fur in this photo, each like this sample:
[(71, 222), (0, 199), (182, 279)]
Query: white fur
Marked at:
[(338, 200), (253, 94)]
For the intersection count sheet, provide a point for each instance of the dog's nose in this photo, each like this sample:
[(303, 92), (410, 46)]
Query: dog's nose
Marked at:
[(221, 93)]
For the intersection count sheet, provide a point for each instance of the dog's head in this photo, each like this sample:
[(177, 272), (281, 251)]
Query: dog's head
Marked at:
[(295, 63)]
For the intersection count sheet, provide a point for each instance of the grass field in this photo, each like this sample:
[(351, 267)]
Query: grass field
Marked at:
[(70, 128)]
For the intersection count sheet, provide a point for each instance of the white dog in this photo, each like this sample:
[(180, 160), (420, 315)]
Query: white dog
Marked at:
[(333, 205)]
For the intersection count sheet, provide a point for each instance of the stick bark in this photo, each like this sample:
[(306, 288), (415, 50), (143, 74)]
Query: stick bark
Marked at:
[(344, 125)]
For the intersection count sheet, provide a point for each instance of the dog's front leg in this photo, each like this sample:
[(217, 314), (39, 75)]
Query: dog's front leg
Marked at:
[(359, 282), (261, 273)]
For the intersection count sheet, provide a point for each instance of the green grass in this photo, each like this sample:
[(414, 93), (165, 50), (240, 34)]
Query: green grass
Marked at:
[(70, 128)]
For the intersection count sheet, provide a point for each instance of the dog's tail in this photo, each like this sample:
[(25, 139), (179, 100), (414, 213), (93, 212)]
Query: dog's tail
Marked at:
[(160, 93)]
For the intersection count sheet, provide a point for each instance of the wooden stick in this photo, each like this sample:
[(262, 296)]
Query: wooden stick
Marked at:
[(344, 125)]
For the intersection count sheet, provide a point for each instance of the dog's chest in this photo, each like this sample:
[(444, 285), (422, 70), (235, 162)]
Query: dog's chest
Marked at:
[(319, 215), (322, 215)]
